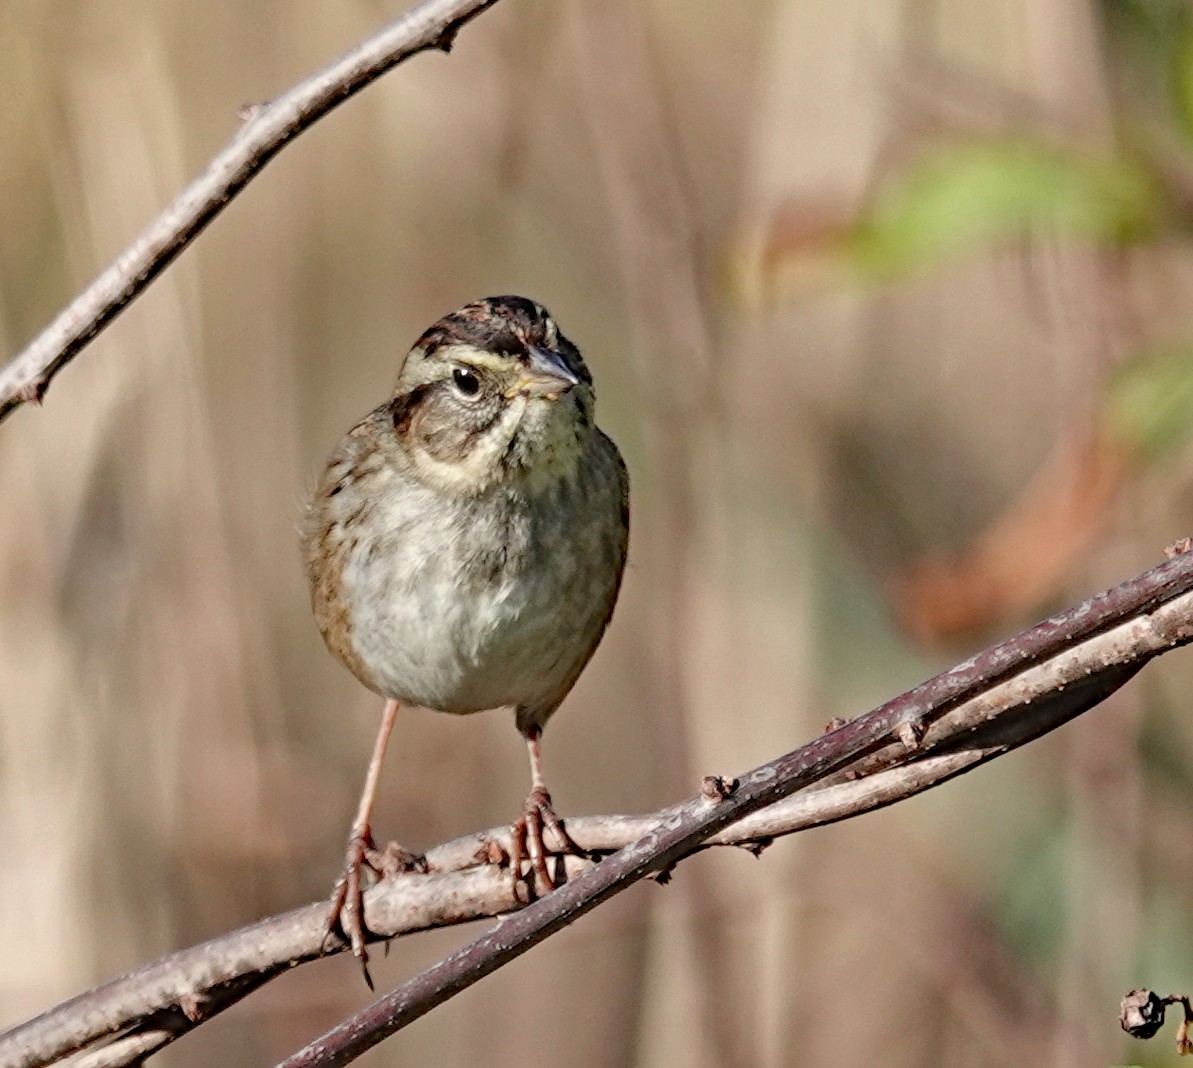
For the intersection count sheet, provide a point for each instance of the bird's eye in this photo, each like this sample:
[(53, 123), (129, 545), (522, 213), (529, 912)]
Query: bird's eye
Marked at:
[(466, 382)]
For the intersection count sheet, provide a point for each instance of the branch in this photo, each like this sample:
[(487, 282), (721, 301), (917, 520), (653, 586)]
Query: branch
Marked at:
[(1082, 663), (983, 707), (267, 129)]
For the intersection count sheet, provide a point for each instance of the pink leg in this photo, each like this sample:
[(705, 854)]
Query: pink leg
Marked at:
[(347, 906), (537, 813)]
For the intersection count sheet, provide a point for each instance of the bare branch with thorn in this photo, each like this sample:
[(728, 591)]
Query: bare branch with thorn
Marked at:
[(266, 129), (997, 700)]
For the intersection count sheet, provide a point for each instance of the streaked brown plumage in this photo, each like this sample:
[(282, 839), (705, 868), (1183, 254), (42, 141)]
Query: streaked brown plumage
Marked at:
[(466, 542)]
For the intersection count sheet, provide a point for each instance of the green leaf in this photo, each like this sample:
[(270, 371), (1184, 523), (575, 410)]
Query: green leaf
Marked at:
[(1149, 401), (966, 196), (1182, 84)]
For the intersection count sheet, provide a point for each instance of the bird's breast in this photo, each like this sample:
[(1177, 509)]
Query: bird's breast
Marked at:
[(461, 609)]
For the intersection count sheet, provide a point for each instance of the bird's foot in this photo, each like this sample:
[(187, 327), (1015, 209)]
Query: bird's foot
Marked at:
[(347, 897), (527, 834)]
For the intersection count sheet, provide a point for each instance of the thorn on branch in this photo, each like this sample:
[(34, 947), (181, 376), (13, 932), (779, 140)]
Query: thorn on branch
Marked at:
[(1179, 548), (33, 392), (835, 723), (757, 846), (446, 40), (663, 876), (911, 732), (1141, 1015), (492, 852), (247, 112), (191, 1006), (717, 788)]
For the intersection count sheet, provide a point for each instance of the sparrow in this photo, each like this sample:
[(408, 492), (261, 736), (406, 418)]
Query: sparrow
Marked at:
[(465, 547)]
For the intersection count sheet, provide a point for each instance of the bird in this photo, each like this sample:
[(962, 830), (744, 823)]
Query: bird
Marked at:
[(465, 547)]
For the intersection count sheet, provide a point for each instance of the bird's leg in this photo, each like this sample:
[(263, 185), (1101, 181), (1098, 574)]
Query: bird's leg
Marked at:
[(537, 813), (347, 905)]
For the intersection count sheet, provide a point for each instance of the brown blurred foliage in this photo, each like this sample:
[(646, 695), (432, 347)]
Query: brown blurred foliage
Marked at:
[(827, 362)]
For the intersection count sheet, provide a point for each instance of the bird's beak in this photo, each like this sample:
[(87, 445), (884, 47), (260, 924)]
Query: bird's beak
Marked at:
[(545, 375)]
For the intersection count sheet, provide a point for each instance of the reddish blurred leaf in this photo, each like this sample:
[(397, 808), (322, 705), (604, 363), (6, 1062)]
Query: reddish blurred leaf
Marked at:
[(1017, 562)]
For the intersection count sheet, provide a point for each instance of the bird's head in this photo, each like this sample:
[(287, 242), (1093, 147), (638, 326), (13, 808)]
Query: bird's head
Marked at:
[(490, 393)]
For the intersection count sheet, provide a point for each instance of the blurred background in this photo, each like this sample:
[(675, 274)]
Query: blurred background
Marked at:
[(889, 308)]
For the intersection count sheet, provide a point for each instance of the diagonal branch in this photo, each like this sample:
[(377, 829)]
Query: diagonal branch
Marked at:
[(1003, 705), (267, 129), (983, 707)]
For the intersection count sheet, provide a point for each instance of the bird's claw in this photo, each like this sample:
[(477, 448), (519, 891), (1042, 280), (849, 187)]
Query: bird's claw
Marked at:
[(527, 836), (347, 896)]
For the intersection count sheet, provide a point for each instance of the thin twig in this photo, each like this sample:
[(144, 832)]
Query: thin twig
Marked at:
[(993, 702), (266, 130)]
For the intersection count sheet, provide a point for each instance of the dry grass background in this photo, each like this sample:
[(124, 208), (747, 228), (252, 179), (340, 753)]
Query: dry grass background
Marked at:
[(179, 755)]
